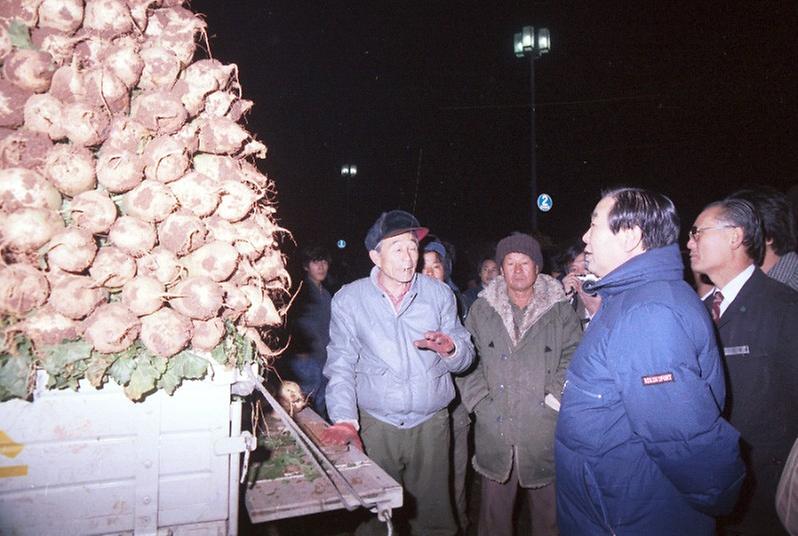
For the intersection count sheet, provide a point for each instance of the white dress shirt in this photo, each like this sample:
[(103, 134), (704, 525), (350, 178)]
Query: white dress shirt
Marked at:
[(732, 288)]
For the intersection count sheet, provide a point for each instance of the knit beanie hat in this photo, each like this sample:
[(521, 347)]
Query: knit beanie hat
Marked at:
[(519, 243)]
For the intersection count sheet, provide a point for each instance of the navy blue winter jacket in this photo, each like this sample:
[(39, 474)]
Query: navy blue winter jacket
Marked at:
[(641, 447)]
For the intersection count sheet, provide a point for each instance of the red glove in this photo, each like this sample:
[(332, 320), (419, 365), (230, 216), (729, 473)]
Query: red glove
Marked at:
[(436, 341), (342, 433)]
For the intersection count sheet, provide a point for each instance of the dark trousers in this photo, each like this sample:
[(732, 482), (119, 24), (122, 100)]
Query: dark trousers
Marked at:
[(417, 458), (497, 502)]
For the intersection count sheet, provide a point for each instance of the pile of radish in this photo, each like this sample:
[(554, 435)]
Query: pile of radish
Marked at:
[(132, 215)]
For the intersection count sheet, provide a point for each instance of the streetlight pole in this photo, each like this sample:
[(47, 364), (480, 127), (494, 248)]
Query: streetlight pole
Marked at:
[(532, 44), (348, 172)]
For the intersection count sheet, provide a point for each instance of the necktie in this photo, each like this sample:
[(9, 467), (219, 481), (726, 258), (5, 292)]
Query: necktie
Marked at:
[(717, 298)]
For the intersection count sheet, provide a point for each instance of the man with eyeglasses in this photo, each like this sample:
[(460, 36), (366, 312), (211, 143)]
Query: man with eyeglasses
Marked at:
[(756, 319)]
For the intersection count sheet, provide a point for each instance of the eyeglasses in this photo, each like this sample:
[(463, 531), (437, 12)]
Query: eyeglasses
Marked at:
[(695, 232)]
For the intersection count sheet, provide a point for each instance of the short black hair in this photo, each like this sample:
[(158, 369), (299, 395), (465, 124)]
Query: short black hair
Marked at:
[(653, 212), (741, 213), (567, 255), (776, 214), (314, 253)]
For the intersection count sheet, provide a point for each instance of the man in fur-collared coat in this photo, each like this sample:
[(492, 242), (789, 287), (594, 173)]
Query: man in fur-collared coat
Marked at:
[(525, 332)]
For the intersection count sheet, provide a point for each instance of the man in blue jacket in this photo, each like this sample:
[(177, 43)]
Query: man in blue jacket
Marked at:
[(395, 340), (641, 447)]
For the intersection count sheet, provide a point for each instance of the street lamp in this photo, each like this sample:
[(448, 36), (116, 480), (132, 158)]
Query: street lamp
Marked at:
[(348, 170), (533, 44)]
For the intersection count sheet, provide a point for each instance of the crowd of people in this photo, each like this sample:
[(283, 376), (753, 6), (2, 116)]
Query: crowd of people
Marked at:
[(638, 388)]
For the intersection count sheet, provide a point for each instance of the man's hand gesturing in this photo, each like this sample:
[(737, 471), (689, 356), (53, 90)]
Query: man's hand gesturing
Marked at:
[(437, 342)]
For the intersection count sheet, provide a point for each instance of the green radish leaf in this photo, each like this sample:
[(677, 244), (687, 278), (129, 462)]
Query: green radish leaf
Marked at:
[(15, 376), (19, 34)]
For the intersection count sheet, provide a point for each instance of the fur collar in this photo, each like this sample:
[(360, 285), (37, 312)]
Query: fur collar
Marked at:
[(548, 291)]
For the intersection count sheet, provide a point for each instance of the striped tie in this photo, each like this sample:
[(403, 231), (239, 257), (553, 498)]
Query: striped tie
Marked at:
[(717, 298)]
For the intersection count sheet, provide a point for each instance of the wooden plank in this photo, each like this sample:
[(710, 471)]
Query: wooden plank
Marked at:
[(296, 495)]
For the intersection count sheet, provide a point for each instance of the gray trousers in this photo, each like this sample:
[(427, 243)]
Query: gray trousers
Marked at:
[(461, 423), (497, 502), (417, 458)]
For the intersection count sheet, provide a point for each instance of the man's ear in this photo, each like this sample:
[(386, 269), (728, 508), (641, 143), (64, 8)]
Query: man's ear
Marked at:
[(375, 257), (632, 238), (736, 237)]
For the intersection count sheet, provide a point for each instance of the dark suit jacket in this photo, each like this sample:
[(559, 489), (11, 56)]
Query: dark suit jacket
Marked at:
[(759, 337)]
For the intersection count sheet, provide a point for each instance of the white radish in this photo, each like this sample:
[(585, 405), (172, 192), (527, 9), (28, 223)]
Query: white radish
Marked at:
[(72, 250), (207, 334), (132, 235), (124, 61), (150, 201), (261, 311), (29, 69), (67, 84), (76, 297), (27, 229), (199, 298), (216, 260), (43, 113), (175, 28), (119, 170), (22, 289), (71, 169), (199, 80), (112, 267), (271, 265), (107, 18), (181, 232), (85, 124), (126, 134), (220, 135), (63, 15), (237, 200), (60, 46), (103, 86), (20, 187), (252, 237), (161, 68), (197, 193), (143, 295), (217, 167), (165, 159), (218, 104), (24, 148), (46, 327), (111, 328), (235, 301), (165, 332), (161, 264), (12, 104), (159, 111), (93, 210)]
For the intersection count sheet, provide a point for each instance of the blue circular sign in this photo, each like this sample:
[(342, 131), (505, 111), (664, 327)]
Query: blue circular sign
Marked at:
[(341, 244), (545, 202)]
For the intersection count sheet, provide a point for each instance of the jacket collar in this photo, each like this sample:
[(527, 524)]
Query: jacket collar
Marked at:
[(751, 287), (659, 264), (548, 291)]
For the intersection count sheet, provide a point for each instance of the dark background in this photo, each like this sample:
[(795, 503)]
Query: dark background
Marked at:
[(693, 99)]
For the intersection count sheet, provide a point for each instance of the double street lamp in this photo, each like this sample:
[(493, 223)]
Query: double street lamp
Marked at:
[(532, 43)]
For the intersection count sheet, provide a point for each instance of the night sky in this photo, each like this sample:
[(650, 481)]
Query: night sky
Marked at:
[(693, 99)]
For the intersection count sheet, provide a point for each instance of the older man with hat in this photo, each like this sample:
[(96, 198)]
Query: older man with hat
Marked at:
[(395, 340), (525, 332)]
